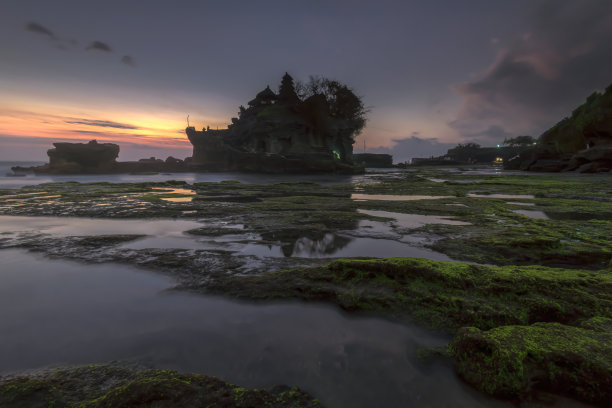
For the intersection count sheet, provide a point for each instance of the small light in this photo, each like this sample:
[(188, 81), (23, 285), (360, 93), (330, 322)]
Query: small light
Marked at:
[(497, 145)]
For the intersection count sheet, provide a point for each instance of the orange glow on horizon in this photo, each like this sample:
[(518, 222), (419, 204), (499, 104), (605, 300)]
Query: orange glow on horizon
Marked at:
[(52, 122)]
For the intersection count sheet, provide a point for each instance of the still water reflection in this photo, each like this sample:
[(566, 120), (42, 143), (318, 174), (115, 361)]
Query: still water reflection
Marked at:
[(170, 233), (59, 312)]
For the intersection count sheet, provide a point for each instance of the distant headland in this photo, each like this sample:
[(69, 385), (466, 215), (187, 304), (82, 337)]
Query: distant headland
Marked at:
[(581, 142)]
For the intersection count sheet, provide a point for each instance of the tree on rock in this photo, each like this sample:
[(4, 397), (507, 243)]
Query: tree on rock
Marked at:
[(286, 91), (522, 141), (341, 100)]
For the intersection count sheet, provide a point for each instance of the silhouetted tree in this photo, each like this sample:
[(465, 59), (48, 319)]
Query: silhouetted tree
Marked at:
[(286, 91), (464, 152), (519, 141), (341, 100)]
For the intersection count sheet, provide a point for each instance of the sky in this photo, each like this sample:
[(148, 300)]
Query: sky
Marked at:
[(432, 73)]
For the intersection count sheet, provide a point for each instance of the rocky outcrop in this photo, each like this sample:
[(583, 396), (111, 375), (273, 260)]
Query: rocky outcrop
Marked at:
[(92, 157), (581, 142), (98, 158), (283, 133)]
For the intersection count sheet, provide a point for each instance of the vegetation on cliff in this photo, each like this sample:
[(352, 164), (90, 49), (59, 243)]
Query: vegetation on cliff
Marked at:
[(580, 129)]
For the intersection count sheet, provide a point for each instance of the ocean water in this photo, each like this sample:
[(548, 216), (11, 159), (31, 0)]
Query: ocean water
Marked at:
[(259, 178)]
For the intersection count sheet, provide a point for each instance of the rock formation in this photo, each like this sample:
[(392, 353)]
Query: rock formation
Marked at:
[(98, 158), (92, 157), (581, 142), (285, 133)]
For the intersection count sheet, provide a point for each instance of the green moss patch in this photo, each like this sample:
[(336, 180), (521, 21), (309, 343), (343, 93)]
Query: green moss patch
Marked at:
[(109, 386), (540, 242), (511, 361), (444, 295)]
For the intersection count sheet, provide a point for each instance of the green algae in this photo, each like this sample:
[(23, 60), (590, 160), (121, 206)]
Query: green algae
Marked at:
[(510, 361), (101, 386), (444, 295), (526, 241)]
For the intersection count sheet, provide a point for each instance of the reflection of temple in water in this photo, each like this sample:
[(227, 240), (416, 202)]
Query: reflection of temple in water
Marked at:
[(308, 248)]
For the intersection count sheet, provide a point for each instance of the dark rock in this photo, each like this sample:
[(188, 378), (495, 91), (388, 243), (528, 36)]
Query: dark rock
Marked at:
[(373, 160), (92, 157), (595, 153), (548, 165), (283, 134), (586, 168), (172, 161)]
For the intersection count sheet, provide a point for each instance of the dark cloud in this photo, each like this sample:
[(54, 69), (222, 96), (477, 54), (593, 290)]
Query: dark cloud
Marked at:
[(128, 60), (71, 43), (407, 148), (39, 29), (490, 136), (63, 44), (546, 73), (100, 46), (89, 132), (102, 123)]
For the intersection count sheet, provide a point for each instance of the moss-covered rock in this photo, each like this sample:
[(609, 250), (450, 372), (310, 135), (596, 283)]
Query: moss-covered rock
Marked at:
[(110, 386), (446, 295), (511, 361)]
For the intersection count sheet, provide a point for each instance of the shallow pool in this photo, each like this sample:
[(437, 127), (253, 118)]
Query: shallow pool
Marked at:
[(58, 312)]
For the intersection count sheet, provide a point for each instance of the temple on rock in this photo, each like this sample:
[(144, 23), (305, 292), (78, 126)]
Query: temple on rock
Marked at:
[(285, 132)]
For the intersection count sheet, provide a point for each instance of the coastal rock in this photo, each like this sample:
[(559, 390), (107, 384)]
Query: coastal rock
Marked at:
[(283, 133), (512, 361), (92, 157), (598, 153), (548, 165), (582, 141)]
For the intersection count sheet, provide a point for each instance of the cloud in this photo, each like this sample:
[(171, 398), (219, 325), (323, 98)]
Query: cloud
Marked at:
[(57, 42), (89, 132), (543, 75), (100, 46), (102, 123), (490, 136), (39, 29), (66, 44), (412, 146), (128, 60)]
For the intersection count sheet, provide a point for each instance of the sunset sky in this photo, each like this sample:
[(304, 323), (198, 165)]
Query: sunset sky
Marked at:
[(433, 73)]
